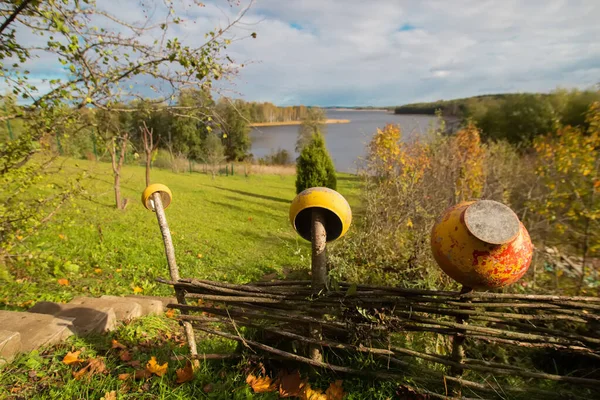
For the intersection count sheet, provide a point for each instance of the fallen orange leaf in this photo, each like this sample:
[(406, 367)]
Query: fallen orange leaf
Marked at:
[(170, 313), (142, 374), (260, 384), (185, 374), (117, 345), (124, 377), (112, 395), (335, 391), (63, 282), (79, 374), (125, 355), (72, 358), (155, 368), (290, 385), (309, 394), (95, 366), (98, 270)]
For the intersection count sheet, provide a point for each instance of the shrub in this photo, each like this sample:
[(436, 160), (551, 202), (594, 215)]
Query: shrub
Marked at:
[(568, 165), (406, 186), (176, 163), (314, 166), (278, 157)]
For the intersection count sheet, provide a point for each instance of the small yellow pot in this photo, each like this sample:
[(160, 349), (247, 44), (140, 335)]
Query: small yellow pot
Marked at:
[(333, 205), (481, 244), (165, 195)]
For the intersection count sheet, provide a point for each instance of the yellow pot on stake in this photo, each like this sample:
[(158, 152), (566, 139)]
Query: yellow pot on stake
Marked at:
[(319, 215), (165, 195), (334, 207)]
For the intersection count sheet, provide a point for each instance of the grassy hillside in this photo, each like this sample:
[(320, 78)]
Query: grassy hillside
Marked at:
[(231, 228)]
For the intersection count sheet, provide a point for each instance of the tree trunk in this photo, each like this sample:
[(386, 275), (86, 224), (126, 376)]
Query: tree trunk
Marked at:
[(148, 148), (117, 187), (116, 167), (148, 160)]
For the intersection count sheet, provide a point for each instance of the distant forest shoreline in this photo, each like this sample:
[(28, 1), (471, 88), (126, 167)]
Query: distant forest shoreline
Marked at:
[(283, 123)]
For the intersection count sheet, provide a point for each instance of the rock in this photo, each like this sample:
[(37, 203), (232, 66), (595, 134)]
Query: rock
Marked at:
[(124, 309), (163, 300), (37, 330), (149, 305), (10, 345), (85, 319)]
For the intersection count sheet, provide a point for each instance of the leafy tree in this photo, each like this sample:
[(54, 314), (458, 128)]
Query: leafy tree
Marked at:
[(314, 166), (313, 123), (190, 122), (109, 61), (470, 179), (520, 118), (213, 153), (276, 157), (115, 130), (569, 167), (233, 119), (384, 151), (572, 106)]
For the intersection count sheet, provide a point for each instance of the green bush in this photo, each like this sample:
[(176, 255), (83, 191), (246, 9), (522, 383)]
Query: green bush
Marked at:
[(314, 166), (278, 157)]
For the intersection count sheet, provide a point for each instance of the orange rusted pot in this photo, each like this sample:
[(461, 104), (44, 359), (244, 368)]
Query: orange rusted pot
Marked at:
[(481, 244)]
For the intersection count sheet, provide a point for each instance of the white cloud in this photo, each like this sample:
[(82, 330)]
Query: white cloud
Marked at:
[(387, 52), (357, 53)]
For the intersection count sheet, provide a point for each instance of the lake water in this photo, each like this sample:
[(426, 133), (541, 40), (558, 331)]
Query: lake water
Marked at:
[(346, 142)]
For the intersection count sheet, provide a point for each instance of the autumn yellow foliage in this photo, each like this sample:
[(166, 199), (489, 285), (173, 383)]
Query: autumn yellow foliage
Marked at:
[(466, 146), (155, 368), (568, 165)]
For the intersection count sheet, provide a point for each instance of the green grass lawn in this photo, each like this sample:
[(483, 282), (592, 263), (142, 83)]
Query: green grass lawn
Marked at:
[(232, 228), (44, 375)]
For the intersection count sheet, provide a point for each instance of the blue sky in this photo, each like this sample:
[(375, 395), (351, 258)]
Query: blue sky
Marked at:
[(389, 52)]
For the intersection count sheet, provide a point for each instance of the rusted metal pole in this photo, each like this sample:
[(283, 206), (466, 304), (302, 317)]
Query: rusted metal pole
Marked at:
[(158, 208), (458, 340), (319, 275)]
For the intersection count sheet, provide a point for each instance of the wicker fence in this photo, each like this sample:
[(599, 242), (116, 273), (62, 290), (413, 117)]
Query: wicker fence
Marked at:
[(371, 321), (362, 329)]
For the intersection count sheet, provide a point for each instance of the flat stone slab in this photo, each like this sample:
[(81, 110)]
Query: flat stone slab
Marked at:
[(124, 309), (86, 319), (36, 330), (149, 305), (163, 300), (10, 345)]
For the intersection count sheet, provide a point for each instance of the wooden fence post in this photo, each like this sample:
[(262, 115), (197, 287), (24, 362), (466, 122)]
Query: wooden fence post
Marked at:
[(319, 274), (157, 206)]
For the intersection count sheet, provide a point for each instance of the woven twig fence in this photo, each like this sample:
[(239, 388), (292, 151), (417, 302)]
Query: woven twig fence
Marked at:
[(364, 319), (371, 321)]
